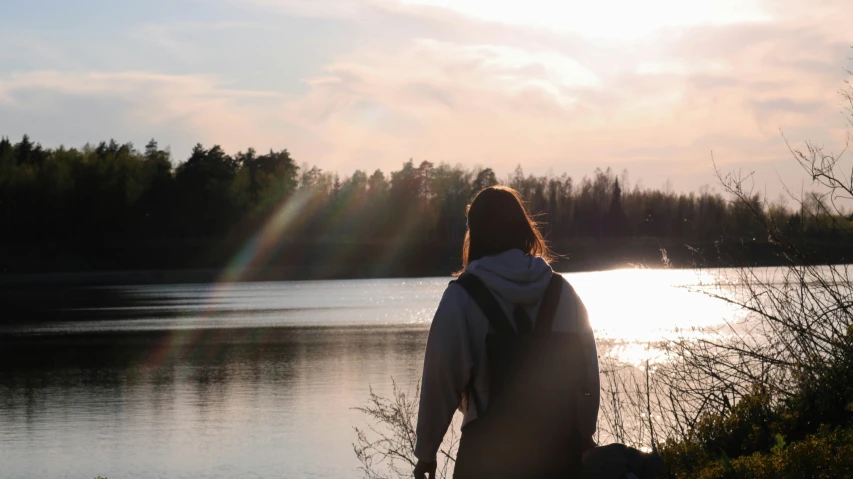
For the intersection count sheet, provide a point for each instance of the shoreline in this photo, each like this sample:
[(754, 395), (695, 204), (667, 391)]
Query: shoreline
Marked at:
[(194, 263), (213, 276)]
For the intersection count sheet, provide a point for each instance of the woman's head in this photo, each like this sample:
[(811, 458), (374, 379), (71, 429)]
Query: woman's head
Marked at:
[(498, 222)]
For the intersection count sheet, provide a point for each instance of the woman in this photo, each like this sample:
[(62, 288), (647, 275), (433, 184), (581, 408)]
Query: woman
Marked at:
[(510, 346)]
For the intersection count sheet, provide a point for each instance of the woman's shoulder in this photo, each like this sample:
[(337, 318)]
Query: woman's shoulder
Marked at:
[(455, 293), (571, 312), (452, 311), (568, 289)]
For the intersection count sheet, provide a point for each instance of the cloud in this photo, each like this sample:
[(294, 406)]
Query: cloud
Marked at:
[(788, 105), (60, 107), (440, 100), (166, 36), (610, 19), (675, 97), (603, 19), (434, 81), (312, 8)]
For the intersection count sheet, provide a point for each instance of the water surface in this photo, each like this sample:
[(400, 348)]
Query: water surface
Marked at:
[(252, 379)]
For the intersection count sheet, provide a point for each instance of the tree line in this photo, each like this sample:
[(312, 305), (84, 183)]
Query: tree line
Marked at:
[(116, 193)]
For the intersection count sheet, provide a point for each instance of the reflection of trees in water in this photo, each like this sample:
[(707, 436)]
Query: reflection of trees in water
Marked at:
[(49, 303), (164, 372)]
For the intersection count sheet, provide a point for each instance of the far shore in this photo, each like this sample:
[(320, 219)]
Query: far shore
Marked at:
[(212, 276), (141, 264)]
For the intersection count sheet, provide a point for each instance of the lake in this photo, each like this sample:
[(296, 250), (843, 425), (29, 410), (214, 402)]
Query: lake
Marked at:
[(252, 380)]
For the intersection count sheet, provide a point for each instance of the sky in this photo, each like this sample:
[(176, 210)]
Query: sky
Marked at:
[(655, 87)]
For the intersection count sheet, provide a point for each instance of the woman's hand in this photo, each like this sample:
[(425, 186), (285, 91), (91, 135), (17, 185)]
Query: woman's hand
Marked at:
[(425, 470)]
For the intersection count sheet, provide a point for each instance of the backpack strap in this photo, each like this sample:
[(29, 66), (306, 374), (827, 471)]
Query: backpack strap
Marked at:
[(498, 319), (487, 303), (494, 315), (547, 313), (548, 308)]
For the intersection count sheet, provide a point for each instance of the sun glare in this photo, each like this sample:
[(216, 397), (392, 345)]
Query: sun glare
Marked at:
[(637, 307), (609, 19)]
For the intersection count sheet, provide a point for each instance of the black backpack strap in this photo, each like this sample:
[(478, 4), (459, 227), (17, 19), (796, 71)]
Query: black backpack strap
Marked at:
[(547, 313), (487, 303), (548, 308), (494, 314)]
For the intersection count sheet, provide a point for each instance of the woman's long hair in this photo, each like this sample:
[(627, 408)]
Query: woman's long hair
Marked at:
[(498, 222)]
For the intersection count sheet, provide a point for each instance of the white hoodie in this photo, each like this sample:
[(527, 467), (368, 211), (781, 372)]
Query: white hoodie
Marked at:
[(457, 339)]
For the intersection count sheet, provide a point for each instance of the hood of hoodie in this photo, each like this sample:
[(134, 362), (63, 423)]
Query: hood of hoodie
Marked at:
[(518, 277)]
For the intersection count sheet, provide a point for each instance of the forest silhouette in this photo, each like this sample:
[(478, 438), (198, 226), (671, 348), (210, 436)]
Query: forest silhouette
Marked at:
[(111, 206)]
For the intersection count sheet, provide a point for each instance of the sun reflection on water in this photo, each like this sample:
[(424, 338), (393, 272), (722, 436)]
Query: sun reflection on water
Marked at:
[(632, 309)]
